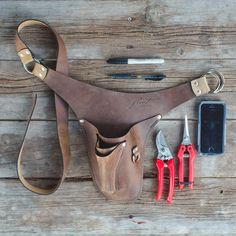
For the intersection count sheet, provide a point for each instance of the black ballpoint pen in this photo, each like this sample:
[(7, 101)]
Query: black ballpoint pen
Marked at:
[(156, 77)]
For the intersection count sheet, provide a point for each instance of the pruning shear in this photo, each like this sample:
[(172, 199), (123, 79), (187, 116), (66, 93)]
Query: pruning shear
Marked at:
[(186, 147), (164, 158)]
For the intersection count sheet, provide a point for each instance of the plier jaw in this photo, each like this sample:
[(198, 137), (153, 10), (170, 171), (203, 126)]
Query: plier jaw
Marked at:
[(164, 157)]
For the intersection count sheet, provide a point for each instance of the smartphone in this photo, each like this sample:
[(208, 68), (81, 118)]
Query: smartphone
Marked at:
[(211, 127)]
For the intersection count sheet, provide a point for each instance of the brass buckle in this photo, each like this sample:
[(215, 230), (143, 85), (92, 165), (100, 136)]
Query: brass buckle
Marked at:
[(30, 65), (28, 60)]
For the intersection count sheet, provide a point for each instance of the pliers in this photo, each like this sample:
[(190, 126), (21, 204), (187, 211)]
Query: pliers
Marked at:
[(186, 147), (164, 158)]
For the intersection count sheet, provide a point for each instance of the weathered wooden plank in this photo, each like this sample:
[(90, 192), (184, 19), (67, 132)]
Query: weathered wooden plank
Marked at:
[(187, 43), (78, 209), (93, 32), (199, 34), (15, 82), (18, 107), (42, 154), (16, 104), (13, 78), (199, 13)]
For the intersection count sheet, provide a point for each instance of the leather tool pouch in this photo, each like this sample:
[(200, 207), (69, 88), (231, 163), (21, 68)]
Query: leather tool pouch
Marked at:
[(117, 163), (115, 123)]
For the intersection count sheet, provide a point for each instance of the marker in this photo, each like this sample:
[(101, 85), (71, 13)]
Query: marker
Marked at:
[(135, 61), (157, 77)]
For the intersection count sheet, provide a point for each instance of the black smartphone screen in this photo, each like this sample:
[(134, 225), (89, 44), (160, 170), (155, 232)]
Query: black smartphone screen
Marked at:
[(212, 128)]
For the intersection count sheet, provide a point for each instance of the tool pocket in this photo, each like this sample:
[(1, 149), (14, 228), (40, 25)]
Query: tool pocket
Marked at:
[(116, 163), (108, 157)]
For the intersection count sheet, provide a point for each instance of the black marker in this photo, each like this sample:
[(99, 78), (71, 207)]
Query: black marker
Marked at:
[(135, 61), (157, 77)]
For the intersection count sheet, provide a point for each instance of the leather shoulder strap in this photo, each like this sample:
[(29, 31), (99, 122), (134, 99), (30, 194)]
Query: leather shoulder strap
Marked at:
[(60, 105)]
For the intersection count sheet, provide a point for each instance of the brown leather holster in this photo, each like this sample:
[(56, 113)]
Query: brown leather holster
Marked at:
[(115, 123)]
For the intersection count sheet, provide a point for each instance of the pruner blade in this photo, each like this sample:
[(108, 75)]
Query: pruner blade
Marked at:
[(162, 147), (186, 139)]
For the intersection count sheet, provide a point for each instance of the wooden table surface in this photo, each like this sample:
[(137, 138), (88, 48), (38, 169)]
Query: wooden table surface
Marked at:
[(192, 36)]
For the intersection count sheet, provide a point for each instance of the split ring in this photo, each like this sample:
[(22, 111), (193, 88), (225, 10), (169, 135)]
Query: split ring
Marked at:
[(215, 74)]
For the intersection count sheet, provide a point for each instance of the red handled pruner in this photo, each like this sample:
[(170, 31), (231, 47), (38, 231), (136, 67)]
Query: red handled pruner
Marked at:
[(164, 158), (186, 147)]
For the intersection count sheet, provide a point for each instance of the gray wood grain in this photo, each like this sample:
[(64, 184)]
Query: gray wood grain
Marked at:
[(78, 209), (173, 29), (16, 85), (42, 154), (14, 79), (192, 36)]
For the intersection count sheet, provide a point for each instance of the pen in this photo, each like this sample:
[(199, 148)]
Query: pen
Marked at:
[(157, 77), (135, 61)]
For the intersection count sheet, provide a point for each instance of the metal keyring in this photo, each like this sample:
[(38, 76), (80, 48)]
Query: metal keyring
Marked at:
[(219, 77)]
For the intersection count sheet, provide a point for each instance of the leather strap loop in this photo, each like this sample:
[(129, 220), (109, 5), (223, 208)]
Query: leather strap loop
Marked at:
[(200, 86), (61, 106)]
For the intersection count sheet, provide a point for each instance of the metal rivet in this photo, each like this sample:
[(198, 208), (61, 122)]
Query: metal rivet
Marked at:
[(159, 116), (40, 75), (42, 68), (124, 144), (135, 157), (134, 149), (138, 156), (27, 52), (199, 91), (81, 121), (196, 83)]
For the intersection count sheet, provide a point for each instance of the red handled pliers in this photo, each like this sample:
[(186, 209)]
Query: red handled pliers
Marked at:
[(186, 147), (164, 158)]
